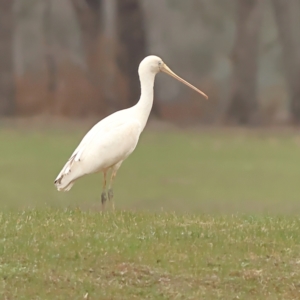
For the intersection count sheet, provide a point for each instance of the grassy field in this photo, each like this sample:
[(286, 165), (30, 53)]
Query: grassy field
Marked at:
[(72, 254), (206, 171), (201, 214)]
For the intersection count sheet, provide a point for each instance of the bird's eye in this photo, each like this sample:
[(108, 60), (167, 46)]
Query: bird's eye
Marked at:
[(159, 63)]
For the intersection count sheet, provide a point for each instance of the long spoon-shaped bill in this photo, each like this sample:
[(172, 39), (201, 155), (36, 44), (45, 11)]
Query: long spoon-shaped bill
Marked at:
[(168, 71)]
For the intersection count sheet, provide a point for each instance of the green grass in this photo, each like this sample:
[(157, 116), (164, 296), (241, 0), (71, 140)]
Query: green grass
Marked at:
[(69, 254), (200, 215), (217, 171)]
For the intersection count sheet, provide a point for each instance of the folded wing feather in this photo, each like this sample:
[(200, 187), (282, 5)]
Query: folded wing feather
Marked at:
[(102, 128)]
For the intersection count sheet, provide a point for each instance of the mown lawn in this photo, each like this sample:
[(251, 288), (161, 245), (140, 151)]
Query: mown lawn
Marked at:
[(184, 171), (75, 254)]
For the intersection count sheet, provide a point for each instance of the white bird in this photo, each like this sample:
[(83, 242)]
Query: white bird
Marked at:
[(115, 137)]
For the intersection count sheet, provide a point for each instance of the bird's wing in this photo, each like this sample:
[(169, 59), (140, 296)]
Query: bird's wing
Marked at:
[(119, 135), (98, 129), (78, 151)]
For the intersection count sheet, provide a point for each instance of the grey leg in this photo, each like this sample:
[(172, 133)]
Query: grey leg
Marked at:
[(110, 194), (112, 177), (110, 190), (104, 195), (103, 199)]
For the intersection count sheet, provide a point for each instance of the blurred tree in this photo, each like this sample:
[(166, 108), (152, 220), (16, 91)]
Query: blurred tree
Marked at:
[(89, 16), (7, 105), (110, 88), (51, 63), (243, 107), (132, 46), (287, 16), (98, 36)]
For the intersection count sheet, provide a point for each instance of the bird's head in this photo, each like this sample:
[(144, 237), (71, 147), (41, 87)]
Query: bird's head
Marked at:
[(151, 63), (155, 64)]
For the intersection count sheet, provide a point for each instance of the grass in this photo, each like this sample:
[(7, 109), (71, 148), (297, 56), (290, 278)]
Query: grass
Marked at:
[(184, 171), (200, 215), (75, 254)]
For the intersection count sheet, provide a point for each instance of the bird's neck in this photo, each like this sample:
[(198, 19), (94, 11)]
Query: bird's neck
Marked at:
[(145, 103)]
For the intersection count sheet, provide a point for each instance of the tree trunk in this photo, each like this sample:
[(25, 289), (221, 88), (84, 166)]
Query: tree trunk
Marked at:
[(287, 15), (113, 93), (49, 53), (7, 105), (132, 45), (243, 107), (89, 16)]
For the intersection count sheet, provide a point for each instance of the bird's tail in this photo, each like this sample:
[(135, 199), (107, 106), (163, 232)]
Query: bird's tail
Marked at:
[(64, 181), (61, 187)]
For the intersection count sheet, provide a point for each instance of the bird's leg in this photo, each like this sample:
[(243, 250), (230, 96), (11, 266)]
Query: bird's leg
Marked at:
[(104, 195), (112, 177), (110, 189)]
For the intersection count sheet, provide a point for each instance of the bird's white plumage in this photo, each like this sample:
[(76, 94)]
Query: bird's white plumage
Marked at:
[(107, 143), (115, 137)]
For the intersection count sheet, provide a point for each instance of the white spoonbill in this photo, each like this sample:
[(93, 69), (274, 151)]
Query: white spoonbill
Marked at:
[(115, 137)]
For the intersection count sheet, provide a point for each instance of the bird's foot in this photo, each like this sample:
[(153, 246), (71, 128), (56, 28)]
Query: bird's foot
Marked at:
[(110, 198), (103, 199), (110, 194)]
